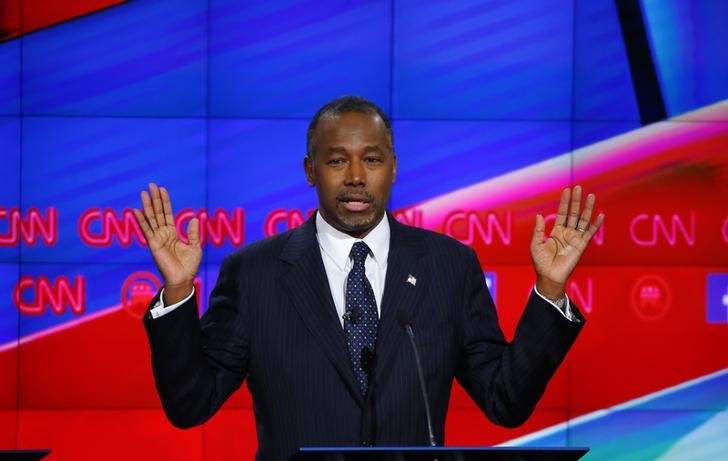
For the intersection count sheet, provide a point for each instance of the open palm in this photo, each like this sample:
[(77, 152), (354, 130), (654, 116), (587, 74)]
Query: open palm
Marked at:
[(178, 262), (556, 257)]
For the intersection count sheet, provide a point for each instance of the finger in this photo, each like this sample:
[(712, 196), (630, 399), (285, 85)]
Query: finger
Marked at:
[(167, 205), (538, 231), (575, 206), (193, 232), (594, 227), (563, 207), (587, 213), (148, 211), (141, 220), (157, 204)]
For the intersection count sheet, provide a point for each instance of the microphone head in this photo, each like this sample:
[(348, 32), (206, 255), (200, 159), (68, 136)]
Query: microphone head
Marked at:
[(368, 360), (352, 315), (404, 318)]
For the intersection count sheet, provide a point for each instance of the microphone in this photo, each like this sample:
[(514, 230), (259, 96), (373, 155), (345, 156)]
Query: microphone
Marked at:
[(368, 360), (368, 436), (352, 315), (405, 321)]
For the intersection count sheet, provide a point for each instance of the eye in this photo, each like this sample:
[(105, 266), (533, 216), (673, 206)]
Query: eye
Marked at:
[(336, 161), (373, 159)]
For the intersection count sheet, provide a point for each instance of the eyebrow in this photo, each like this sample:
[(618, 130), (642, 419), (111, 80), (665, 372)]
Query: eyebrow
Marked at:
[(341, 149), (375, 148)]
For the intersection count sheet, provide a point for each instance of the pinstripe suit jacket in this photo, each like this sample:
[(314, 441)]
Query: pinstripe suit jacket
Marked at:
[(272, 321)]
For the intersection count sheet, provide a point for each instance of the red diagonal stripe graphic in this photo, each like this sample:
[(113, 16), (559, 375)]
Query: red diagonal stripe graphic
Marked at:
[(18, 17)]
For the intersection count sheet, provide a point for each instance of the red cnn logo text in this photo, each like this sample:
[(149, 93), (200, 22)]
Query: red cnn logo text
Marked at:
[(100, 228), (27, 229), (469, 226), (647, 230), (281, 220), (33, 295), (582, 294), (409, 216)]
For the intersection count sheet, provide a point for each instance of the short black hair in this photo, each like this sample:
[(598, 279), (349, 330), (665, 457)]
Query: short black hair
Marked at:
[(343, 105)]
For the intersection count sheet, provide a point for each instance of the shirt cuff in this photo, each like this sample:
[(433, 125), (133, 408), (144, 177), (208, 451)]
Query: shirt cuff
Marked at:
[(566, 311), (159, 309)]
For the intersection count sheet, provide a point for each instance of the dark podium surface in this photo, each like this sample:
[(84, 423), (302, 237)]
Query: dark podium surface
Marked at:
[(441, 454), (22, 455)]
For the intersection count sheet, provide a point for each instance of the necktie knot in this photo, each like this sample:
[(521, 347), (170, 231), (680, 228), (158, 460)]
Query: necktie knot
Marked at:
[(359, 252)]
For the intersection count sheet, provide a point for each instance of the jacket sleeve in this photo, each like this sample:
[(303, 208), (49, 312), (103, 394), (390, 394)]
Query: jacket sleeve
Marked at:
[(506, 380), (199, 363)]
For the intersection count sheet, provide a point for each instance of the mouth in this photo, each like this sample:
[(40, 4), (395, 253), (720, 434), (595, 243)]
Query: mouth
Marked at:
[(355, 202)]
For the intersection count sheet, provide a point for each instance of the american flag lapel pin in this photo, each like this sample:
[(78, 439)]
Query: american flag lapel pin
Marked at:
[(411, 280)]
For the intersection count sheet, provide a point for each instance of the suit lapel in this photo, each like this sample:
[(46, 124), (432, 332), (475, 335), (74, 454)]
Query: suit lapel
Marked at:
[(308, 287), (404, 286)]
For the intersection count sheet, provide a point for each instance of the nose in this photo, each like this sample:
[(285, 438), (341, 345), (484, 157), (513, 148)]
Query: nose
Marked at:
[(356, 174)]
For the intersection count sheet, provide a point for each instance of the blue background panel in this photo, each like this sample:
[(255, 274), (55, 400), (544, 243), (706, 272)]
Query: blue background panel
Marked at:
[(9, 180), (257, 165), (8, 352), (10, 78), (683, 422), (139, 58), (483, 59), (603, 87), (10, 159), (296, 54), (85, 163), (636, 435), (437, 157), (703, 395), (587, 133), (688, 46), (8, 312), (716, 309)]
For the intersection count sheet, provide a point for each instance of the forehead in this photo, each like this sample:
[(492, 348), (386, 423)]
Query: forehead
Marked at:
[(351, 128)]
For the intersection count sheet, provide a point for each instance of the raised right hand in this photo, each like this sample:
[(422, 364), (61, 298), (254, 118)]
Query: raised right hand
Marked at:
[(176, 261)]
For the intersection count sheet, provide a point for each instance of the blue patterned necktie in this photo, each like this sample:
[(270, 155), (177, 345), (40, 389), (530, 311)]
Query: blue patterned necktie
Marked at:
[(360, 319)]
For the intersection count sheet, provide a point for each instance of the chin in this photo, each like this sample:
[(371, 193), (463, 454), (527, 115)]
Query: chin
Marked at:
[(360, 226)]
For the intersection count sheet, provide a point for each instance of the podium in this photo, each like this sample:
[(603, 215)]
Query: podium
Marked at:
[(22, 455), (440, 454)]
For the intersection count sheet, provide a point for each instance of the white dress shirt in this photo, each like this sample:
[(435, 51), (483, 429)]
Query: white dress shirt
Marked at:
[(335, 247)]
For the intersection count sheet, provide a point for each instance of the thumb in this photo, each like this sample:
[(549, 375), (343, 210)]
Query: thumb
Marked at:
[(193, 232)]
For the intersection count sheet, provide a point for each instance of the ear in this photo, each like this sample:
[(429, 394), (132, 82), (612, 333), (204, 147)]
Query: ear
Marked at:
[(308, 169), (394, 167)]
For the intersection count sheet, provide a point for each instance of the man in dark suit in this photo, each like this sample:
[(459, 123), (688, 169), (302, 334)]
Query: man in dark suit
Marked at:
[(315, 318)]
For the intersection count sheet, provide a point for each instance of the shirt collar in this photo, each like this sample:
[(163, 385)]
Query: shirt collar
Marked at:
[(337, 245)]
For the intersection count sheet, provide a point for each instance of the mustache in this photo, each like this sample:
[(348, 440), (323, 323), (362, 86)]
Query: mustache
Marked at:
[(359, 195)]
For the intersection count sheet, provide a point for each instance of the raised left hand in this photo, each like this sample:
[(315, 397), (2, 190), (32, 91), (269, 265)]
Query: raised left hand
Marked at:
[(556, 258)]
